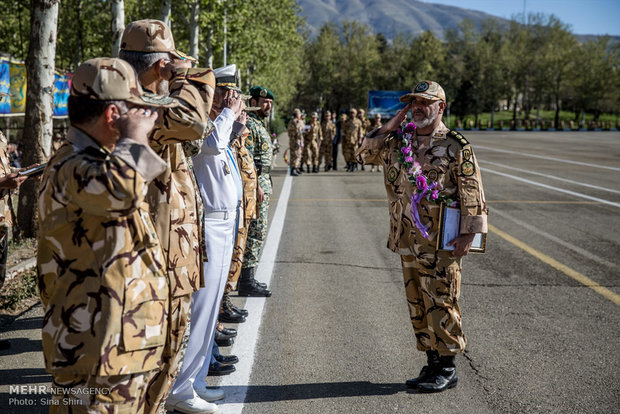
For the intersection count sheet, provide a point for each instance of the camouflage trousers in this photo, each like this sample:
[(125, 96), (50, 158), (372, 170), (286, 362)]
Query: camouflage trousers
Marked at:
[(237, 258), (311, 153), (4, 252), (172, 358), (115, 394), (325, 152), (295, 155), (432, 295), (257, 232), (348, 150)]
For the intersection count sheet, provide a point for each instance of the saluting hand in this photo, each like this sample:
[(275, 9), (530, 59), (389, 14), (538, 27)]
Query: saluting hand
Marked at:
[(394, 123), (136, 124)]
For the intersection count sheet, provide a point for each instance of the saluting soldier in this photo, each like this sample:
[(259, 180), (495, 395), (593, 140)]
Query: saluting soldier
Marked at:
[(148, 45), (296, 142), (442, 163), (102, 274), (260, 146), (328, 131), (376, 123), (352, 134), (312, 140)]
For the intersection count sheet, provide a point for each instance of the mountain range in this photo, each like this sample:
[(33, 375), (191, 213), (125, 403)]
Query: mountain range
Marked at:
[(390, 17)]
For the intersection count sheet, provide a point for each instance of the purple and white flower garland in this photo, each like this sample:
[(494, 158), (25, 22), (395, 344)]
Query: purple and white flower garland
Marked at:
[(423, 189)]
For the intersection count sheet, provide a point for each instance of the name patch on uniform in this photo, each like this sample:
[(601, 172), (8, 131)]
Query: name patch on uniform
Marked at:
[(392, 174), (467, 168)]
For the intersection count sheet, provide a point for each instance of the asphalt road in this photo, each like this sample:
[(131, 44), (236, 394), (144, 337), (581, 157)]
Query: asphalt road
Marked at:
[(540, 307)]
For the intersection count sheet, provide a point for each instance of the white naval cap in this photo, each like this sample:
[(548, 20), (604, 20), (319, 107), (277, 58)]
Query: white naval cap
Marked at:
[(225, 77)]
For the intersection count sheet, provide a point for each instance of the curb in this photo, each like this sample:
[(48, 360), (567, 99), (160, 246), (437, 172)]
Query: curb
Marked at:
[(20, 267)]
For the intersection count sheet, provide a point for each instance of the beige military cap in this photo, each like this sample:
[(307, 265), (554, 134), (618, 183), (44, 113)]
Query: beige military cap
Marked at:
[(150, 36), (426, 89), (297, 111), (314, 115), (113, 79)]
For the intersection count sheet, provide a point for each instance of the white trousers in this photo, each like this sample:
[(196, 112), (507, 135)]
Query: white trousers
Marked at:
[(206, 306)]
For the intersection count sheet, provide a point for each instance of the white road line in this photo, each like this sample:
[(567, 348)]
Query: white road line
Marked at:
[(605, 167), (557, 240), (551, 176), (550, 187), (235, 385)]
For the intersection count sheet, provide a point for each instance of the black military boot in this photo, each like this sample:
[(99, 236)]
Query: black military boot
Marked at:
[(348, 168), (315, 168), (432, 358), (442, 377), (308, 168), (299, 170), (294, 172), (227, 304), (248, 286)]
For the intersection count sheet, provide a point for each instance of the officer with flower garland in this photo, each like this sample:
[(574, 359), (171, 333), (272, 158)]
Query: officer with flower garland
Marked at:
[(426, 164)]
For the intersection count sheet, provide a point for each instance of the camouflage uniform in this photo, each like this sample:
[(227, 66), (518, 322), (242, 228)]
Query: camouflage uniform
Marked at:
[(295, 136), (250, 181), (259, 145), (432, 278), (101, 270), (328, 130), (351, 135), (176, 212), (6, 208), (312, 140)]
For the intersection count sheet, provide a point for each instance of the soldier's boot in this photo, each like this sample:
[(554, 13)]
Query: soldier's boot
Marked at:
[(362, 166), (354, 166), (294, 172), (432, 358), (227, 303), (308, 168), (300, 170), (315, 168), (442, 378), (349, 167), (248, 286), (328, 167)]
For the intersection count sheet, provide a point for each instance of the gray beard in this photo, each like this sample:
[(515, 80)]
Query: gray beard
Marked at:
[(429, 120)]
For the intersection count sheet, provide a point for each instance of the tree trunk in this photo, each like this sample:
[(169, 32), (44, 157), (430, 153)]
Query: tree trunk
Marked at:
[(117, 8), (80, 34), (37, 139), (164, 11), (209, 48), (194, 29)]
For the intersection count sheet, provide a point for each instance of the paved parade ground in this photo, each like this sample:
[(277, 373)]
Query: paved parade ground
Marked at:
[(540, 308)]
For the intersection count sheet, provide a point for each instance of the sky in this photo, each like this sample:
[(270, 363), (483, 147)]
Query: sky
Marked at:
[(597, 17)]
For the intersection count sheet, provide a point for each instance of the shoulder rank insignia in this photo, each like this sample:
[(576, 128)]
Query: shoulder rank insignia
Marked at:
[(467, 168), (392, 174), (459, 137)]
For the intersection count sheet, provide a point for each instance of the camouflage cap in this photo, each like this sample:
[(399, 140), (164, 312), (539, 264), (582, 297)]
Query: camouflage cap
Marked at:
[(149, 36), (314, 115), (297, 111), (261, 92), (426, 89), (113, 79)]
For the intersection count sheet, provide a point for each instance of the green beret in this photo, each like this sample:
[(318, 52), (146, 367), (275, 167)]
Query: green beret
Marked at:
[(261, 92)]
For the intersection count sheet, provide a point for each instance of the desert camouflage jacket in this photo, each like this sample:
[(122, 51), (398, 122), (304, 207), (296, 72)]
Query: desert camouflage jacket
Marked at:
[(259, 145), (446, 157), (295, 132), (352, 131), (101, 271), (328, 130), (248, 175), (314, 134), (172, 195), (6, 211)]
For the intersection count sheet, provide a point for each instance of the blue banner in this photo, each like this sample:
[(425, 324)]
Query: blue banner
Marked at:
[(385, 103), (5, 86), (61, 95)]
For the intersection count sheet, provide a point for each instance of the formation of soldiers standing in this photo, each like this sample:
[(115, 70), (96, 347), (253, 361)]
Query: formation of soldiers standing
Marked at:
[(316, 143)]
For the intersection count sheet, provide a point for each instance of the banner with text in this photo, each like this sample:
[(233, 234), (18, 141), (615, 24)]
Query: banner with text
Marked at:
[(385, 103)]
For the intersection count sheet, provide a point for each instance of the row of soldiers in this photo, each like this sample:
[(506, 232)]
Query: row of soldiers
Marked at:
[(317, 143), (150, 213)]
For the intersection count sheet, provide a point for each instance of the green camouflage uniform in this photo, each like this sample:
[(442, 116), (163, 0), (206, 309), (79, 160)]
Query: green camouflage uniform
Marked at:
[(432, 277), (259, 145), (101, 269)]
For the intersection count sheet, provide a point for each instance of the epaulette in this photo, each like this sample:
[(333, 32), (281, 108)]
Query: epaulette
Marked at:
[(459, 137)]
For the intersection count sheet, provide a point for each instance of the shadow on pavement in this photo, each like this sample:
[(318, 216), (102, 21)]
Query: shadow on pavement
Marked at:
[(24, 324), (24, 376), (270, 393), (20, 345)]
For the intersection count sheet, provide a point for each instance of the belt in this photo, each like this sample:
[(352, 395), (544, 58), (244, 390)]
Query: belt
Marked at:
[(219, 215)]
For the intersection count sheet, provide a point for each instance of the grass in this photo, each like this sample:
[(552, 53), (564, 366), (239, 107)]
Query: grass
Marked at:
[(19, 293), (549, 116)]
